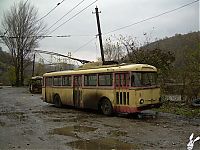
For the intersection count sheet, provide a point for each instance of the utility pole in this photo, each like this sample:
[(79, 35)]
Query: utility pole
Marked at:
[(33, 71), (99, 34)]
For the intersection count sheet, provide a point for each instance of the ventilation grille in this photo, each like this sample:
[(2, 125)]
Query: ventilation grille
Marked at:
[(122, 98)]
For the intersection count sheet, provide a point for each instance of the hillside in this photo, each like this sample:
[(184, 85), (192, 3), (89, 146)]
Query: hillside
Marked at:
[(5, 60), (178, 44)]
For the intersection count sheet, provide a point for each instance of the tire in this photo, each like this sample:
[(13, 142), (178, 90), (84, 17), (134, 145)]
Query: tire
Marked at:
[(31, 88), (196, 102), (106, 107), (57, 101)]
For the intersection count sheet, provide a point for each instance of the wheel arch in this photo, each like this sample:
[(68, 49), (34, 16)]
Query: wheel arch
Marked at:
[(101, 100), (57, 100), (54, 95)]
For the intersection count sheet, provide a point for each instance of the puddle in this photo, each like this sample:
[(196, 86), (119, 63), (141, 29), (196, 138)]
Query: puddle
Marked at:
[(60, 119), (112, 126), (116, 133), (73, 130), (105, 144)]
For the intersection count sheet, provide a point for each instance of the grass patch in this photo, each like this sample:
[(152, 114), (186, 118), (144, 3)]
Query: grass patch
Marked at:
[(179, 108)]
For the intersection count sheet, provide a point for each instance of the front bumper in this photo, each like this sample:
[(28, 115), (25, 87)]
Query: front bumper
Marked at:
[(129, 109), (149, 106)]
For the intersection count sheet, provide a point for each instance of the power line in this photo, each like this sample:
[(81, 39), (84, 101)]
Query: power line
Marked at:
[(73, 16), (161, 14), (46, 36), (39, 36), (51, 10), (43, 16), (25, 2), (84, 44), (82, 35), (66, 14)]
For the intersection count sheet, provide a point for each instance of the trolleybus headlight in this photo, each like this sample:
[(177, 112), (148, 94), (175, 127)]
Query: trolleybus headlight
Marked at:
[(141, 101)]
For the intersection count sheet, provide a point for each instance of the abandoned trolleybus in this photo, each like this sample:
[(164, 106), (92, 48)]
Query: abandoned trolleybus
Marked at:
[(35, 85), (120, 88)]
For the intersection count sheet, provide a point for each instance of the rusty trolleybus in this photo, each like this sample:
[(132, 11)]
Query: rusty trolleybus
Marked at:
[(119, 88)]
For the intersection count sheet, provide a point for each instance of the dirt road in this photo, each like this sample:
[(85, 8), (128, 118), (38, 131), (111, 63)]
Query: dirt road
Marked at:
[(28, 123)]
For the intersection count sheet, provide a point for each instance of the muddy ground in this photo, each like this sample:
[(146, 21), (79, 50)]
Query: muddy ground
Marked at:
[(28, 123)]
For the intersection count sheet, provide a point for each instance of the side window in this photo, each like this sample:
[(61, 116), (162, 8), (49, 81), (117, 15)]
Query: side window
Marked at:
[(105, 79), (57, 81), (66, 80), (48, 81), (90, 80)]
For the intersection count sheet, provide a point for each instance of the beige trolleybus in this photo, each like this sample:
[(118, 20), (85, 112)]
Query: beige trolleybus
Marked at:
[(120, 88)]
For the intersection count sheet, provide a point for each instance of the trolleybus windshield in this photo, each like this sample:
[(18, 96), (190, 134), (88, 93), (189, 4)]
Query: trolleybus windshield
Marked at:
[(143, 79)]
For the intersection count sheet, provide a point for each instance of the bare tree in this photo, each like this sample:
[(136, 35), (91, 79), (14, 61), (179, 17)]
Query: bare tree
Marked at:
[(123, 48), (112, 51), (130, 45), (21, 32)]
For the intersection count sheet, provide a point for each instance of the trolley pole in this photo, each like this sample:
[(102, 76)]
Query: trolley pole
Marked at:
[(100, 35)]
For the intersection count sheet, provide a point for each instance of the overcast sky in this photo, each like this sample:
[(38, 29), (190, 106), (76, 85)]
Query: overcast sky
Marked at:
[(114, 14)]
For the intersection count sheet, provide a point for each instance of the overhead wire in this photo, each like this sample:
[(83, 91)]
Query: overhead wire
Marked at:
[(25, 2), (66, 14), (40, 36), (161, 14), (43, 16), (50, 11), (88, 42), (62, 36), (73, 16), (49, 36), (137, 23)]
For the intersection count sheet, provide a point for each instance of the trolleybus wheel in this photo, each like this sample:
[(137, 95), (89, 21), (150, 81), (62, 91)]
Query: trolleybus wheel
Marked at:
[(31, 88), (106, 107), (57, 101)]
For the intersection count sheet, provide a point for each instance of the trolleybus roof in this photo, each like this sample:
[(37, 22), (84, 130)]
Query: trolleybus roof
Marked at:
[(104, 69)]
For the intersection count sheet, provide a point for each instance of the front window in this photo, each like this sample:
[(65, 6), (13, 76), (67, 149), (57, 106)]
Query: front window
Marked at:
[(38, 81), (143, 79)]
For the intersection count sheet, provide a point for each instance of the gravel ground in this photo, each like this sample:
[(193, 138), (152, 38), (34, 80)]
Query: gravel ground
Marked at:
[(26, 122)]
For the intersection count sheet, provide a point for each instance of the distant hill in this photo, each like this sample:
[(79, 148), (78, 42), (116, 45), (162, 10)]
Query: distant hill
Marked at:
[(178, 44), (5, 60)]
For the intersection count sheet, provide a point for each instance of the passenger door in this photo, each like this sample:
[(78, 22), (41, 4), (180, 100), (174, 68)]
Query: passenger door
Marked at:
[(77, 90), (122, 88)]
